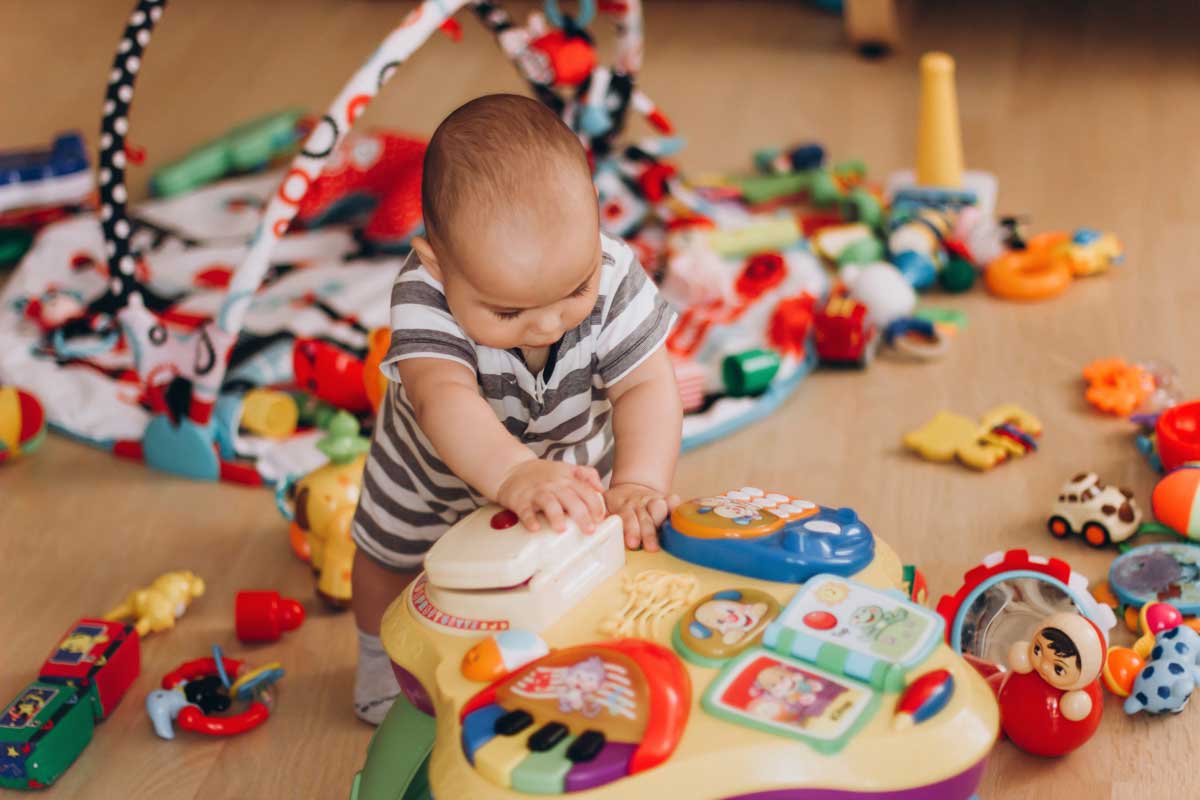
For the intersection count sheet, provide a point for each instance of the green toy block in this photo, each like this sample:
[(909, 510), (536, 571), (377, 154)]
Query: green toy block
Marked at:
[(246, 148), (42, 732), (764, 188)]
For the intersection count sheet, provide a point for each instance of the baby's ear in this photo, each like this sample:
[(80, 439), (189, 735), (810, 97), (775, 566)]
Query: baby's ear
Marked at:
[(428, 258)]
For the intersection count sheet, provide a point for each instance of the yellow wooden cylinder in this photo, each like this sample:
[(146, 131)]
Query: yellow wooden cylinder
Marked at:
[(939, 138)]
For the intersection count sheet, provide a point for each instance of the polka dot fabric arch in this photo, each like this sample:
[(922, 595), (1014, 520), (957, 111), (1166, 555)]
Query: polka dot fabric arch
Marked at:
[(213, 292)]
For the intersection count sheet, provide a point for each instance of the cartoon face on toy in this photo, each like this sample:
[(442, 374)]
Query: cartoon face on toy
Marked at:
[(581, 683), (833, 594), (1067, 652), (1055, 657), (780, 683), (81, 643), (733, 510), (867, 615), (731, 619), (26, 708)]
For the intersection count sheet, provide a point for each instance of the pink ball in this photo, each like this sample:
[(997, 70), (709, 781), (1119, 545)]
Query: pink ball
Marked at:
[(1162, 617)]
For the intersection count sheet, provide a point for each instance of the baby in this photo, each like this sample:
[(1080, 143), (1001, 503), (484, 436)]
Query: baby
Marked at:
[(527, 364)]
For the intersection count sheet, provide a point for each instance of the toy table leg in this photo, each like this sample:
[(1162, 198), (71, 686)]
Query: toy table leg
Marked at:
[(872, 25), (397, 765)]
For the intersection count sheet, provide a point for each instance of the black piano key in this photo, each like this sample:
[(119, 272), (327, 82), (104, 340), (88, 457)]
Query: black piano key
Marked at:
[(586, 747), (545, 737), (513, 723)]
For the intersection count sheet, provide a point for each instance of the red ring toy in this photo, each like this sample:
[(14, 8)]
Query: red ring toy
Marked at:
[(1178, 433), (1038, 272), (191, 718)]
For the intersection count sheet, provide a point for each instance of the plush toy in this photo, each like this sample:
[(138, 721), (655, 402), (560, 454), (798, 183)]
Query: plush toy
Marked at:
[(373, 178), (161, 603)]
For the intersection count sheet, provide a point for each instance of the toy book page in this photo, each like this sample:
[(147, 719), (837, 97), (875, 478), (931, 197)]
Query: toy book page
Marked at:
[(779, 695), (834, 611)]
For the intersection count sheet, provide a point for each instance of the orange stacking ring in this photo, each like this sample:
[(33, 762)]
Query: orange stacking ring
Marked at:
[(1035, 273)]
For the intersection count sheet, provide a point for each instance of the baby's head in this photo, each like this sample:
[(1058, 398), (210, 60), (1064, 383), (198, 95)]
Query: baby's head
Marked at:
[(512, 223)]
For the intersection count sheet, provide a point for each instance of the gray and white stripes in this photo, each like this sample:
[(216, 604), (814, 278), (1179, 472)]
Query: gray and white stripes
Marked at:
[(409, 496)]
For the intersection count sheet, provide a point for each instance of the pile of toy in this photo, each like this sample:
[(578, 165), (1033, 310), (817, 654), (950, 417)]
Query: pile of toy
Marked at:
[(51, 721), (175, 335)]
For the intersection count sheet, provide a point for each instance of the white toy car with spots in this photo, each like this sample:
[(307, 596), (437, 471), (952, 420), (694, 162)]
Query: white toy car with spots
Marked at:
[(1099, 513)]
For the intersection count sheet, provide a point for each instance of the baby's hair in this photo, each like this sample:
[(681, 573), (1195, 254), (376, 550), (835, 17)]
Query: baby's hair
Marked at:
[(1062, 645), (486, 150)]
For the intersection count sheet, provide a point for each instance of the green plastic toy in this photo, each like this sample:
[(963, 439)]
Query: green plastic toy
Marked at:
[(397, 765), (246, 148), (42, 732)]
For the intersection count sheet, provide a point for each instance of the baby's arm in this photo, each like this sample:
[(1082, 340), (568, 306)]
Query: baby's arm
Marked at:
[(647, 423), (474, 444)]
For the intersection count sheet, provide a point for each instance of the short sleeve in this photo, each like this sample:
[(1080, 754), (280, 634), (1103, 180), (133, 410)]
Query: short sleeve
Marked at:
[(636, 318), (422, 326)]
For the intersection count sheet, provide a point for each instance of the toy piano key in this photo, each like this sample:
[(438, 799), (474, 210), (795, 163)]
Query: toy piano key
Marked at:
[(488, 573), (578, 718)]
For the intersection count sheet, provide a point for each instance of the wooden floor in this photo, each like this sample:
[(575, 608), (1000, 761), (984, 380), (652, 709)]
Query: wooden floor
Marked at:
[(1087, 112)]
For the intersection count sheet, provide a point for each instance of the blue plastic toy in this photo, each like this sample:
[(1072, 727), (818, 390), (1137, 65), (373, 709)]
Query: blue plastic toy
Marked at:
[(59, 174), (769, 536), (1166, 683)]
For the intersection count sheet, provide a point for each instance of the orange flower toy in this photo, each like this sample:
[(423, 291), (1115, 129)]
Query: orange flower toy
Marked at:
[(1117, 387)]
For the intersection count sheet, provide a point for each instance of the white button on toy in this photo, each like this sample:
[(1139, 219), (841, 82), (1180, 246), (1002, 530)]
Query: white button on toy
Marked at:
[(778, 498), (752, 491), (822, 526), (741, 496)]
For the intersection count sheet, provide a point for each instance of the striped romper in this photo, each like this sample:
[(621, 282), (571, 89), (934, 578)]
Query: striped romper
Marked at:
[(409, 497)]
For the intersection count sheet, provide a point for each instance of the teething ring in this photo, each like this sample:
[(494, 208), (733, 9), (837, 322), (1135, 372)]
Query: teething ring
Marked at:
[(192, 718), (1036, 273)]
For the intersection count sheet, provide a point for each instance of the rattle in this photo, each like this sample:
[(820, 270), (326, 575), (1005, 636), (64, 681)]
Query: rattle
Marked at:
[(195, 692)]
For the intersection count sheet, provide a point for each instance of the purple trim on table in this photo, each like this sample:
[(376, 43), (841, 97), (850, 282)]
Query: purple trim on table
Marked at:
[(959, 787), (413, 689), (610, 763)]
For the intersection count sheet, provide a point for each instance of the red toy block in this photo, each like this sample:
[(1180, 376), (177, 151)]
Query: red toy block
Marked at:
[(264, 616), (101, 657)]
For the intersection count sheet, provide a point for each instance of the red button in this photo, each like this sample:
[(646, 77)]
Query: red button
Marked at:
[(820, 620), (504, 519)]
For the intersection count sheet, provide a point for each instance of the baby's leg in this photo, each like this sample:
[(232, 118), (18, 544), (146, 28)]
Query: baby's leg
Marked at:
[(374, 587)]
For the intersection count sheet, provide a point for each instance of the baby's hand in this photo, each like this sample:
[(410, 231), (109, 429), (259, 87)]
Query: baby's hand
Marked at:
[(555, 489), (642, 510)]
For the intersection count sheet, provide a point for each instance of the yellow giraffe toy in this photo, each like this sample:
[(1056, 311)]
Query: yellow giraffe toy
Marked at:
[(156, 607)]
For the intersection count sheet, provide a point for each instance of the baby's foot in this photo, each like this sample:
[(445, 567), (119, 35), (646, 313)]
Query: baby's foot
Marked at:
[(375, 686)]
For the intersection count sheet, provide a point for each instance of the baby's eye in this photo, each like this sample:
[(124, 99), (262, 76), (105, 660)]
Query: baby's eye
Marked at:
[(580, 292), (1058, 670), (1037, 649), (508, 314)]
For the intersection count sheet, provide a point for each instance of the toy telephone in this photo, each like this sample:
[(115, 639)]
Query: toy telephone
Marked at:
[(488, 573)]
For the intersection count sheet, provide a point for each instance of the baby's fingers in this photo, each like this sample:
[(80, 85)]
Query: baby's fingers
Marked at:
[(528, 516), (633, 529), (590, 476), (658, 509), (575, 507), (549, 505), (594, 501), (649, 532)]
